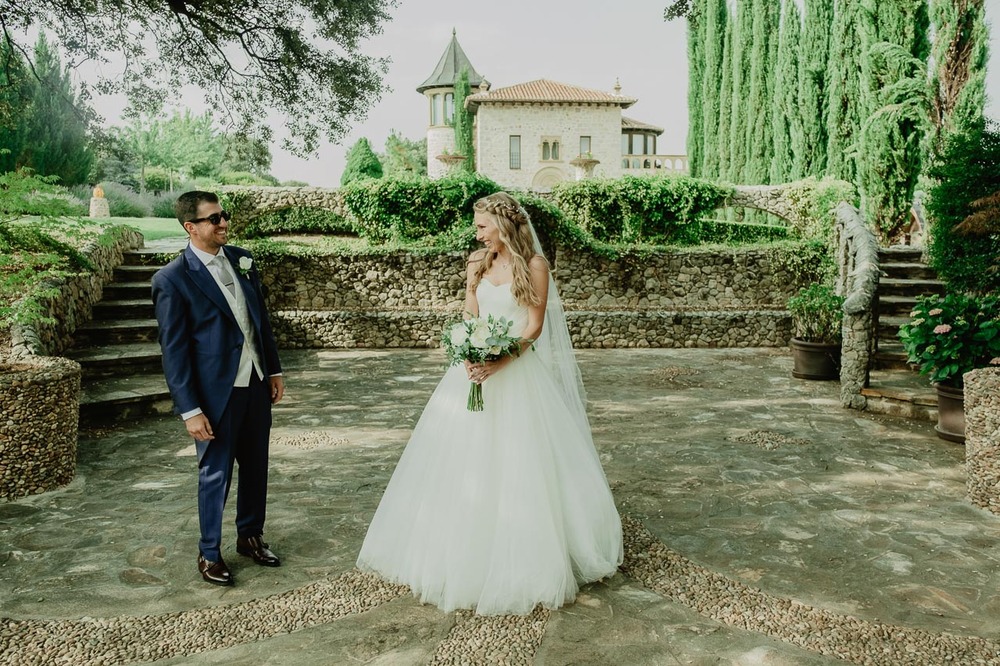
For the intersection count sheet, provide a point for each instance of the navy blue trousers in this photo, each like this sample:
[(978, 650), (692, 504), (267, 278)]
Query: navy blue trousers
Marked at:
[(241, 436)]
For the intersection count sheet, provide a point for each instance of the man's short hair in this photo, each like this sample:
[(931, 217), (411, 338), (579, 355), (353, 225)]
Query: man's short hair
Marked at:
[(186, 206)]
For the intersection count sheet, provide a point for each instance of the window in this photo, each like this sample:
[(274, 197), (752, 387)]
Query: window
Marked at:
[(550, 149), (449, 108), (584, 145), (515, 151), (436, 109), (625, 144)]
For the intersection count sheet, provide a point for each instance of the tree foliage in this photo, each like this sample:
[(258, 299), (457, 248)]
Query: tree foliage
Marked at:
[(714, 35), (464, 143), (960, 54), (845, 113), (361, 163), (759, 103), (299, 58), (696, 71), (44, 130), (786, 111), (813, 94), (404, 157)]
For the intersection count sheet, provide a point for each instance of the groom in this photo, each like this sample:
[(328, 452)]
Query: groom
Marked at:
[(221, 365)]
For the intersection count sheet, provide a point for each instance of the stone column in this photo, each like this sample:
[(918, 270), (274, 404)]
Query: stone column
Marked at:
[(982, 437)]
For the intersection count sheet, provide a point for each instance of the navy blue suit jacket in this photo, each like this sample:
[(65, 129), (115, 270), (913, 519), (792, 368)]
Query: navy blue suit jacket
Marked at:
[(198, 333)]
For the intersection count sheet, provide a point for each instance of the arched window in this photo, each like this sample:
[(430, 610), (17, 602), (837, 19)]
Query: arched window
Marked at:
[(546, 150), (436, 109), (449, 108)]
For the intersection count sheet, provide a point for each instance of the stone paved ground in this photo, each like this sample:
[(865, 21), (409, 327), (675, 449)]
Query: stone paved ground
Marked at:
[(765, 525)]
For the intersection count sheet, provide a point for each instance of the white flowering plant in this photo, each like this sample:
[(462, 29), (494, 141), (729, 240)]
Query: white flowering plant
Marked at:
[(479, 339), (951, 335)]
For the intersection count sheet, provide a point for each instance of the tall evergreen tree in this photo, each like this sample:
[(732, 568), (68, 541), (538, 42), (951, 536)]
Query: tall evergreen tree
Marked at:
[(16, 92), (714, 35), (722, 142), (464, 143), (742, 47), (960, 54), (361, 163), (56, 142), (844, 80), (813, 86), (696, 72), (787, 111), (760, 100), (894, 95)]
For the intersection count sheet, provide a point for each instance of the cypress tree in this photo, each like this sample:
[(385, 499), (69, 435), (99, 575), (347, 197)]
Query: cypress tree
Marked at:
[(759, 103), (464, 144), (742, 45), (722, 141), (786, 114), (56, 142), (960, 53), (362, 162), (16, 92), (844, 97), (813, 93), (894, 94), (696, 71), (714, 36)]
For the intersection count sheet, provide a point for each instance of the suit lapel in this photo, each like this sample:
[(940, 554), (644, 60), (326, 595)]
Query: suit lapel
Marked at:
[(249, 295), (202, 278)]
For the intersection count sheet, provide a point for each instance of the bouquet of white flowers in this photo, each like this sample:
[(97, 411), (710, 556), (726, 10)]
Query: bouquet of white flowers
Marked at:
[(479, 340)]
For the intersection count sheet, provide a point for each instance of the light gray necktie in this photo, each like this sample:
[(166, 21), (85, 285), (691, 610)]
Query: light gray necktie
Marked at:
[(225, 275)]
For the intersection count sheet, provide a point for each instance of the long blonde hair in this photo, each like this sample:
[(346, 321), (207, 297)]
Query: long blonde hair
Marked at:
[(515, 232)]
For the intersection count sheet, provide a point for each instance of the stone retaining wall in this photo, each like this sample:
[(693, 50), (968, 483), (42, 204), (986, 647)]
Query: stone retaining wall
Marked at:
[(41, 407), (730, 298), (982, 437), (77, 295)]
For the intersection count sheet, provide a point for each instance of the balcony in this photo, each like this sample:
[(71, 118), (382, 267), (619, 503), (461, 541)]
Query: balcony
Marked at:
[(635, 164)]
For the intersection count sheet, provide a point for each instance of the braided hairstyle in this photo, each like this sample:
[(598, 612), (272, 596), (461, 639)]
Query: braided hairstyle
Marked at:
[(515, 232)]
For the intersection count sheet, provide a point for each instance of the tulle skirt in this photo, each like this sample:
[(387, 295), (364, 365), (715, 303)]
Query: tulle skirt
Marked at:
[(497, 510)]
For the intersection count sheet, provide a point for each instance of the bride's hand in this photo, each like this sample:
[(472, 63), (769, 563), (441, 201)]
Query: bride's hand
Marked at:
[(480, 372)]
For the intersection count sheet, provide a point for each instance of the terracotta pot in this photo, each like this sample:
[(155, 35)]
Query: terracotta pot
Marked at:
[(951, 413), (815, 360)]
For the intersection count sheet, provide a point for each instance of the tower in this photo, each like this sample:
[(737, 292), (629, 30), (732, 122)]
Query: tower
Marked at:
[(439, 88)]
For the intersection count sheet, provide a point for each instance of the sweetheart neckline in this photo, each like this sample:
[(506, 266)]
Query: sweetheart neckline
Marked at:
[(489, 282)]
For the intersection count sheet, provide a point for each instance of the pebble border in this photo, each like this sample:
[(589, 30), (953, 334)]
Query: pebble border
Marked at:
[(501, 639), (846, 637), (504, 640)]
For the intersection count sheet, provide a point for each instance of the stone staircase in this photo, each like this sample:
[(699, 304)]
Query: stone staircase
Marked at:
[(895, 388), (122, 376)]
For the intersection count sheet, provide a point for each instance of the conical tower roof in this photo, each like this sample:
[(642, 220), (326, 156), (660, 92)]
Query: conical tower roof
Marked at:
[(449, 67)]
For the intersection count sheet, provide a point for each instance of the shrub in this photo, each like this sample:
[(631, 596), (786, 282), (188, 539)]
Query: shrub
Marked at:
[(296, 220), (635, 209), (157, 180), (967, 170), (817, 313), (362, 163), (245, 178), (814, 202), (123, 202), (951, 335), (162, 204), (409, 208)]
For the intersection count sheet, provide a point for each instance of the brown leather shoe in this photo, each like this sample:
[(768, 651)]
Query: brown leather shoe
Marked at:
[(216, 573), (256, 548)]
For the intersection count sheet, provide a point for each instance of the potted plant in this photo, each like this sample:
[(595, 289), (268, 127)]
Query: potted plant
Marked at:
[(816, 312), (947, 337)]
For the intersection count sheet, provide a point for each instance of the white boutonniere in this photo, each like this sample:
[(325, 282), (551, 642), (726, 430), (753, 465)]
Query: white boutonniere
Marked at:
[(245, 264)]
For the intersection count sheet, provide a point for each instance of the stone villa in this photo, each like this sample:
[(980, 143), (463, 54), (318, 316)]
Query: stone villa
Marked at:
[(533, 135)]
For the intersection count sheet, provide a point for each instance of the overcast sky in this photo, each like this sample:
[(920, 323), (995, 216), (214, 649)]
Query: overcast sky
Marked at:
[(588, 43)]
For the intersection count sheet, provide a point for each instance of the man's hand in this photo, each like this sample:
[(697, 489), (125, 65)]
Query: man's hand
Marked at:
[(199, 428), (277, 389)]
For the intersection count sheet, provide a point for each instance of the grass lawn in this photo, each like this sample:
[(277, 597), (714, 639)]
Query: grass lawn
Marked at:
[(151, 228)]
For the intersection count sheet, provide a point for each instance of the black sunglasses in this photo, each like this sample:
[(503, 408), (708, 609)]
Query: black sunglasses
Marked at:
[(215, 218)]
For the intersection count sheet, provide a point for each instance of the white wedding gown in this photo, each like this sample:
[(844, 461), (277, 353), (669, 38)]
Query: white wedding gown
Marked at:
[(497, 510)]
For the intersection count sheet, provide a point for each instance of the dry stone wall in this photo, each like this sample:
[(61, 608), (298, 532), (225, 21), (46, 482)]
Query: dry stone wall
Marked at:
[(982, 437), (41, 407), (730, 298)]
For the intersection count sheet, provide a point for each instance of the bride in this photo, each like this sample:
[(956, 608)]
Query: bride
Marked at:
[(506, 508)]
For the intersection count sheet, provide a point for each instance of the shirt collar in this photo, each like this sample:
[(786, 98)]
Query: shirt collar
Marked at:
[(205, 257)]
